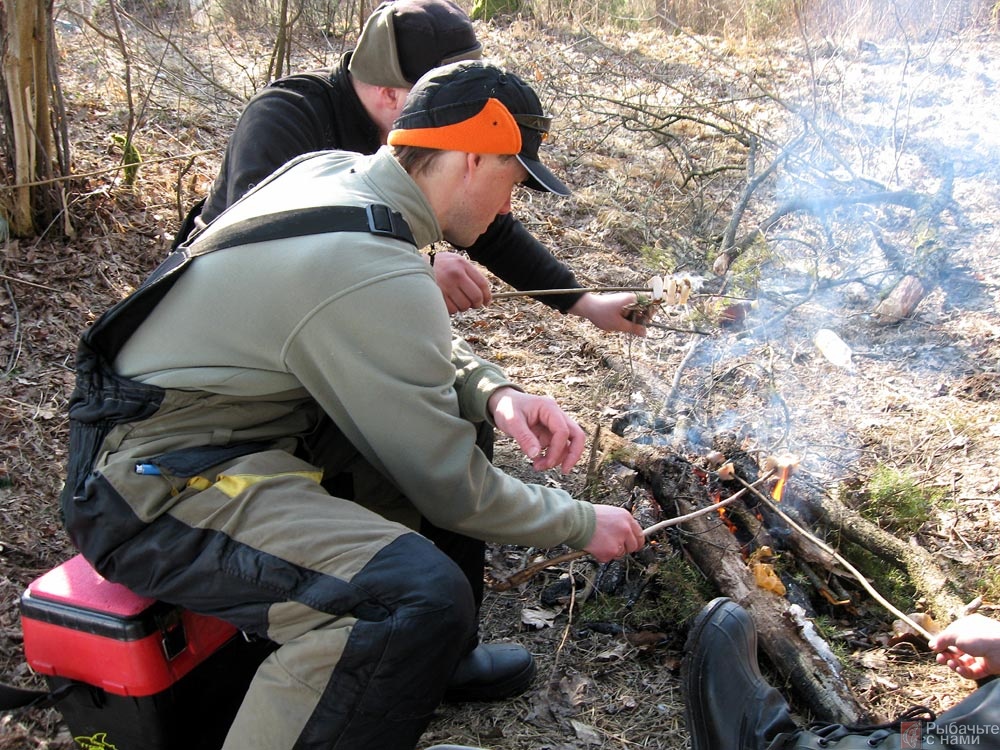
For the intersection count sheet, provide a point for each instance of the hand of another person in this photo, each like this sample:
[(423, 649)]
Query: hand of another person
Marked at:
[(617, 533), (543, 430), (461, 283), (976, 640), (607, 312)]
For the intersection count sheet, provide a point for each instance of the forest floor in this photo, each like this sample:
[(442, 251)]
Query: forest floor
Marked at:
[(659, 135)]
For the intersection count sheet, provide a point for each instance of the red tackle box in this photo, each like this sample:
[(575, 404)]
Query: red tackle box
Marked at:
[(138, 674)]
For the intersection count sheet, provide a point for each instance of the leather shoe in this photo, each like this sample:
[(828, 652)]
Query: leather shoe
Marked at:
[(491, 672), (727, 703)]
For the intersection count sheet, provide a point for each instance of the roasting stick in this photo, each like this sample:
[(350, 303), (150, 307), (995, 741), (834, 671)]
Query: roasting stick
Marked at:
[(524, 575), (917, 627), (547, 292)]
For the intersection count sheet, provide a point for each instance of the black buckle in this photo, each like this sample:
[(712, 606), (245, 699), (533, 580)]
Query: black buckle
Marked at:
[(381, 220), (173, 638)]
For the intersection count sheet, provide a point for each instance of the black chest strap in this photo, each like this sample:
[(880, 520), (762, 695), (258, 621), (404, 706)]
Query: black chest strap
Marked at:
[(111, 331)]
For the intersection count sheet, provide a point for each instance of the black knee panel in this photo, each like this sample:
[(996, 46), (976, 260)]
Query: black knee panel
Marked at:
[(411, 577), (413, 626)]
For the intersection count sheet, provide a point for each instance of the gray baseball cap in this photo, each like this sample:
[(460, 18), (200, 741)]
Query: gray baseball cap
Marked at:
[(403, 39)]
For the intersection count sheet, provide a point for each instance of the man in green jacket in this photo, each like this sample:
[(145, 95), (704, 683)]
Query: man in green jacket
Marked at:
[(195, 476)]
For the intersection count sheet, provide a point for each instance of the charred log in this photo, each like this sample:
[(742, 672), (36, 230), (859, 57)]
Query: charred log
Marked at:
[(805, 662), (814, 508), (715, 545)]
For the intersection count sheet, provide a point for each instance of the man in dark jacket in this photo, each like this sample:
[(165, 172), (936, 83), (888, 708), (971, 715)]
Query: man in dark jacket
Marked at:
[(352, 107)]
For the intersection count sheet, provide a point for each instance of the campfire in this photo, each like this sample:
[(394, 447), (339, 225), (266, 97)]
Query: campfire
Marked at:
[(743, 524)]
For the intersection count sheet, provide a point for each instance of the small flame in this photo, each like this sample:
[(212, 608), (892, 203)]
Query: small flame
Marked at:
[(779, 488), (724, 516), (733, 528)]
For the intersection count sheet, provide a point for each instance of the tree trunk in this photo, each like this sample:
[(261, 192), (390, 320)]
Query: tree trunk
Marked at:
[(30, 96)]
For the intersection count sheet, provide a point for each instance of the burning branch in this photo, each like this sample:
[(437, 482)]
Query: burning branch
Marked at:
[(526, 574), (828, 550)]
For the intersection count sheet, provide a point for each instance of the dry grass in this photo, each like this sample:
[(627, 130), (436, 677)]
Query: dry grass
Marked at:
[(921, 399)]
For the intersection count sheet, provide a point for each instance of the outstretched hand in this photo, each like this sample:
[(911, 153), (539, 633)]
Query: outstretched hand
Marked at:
[(461, 283), (608, 312), (543, 431), (975, 642)]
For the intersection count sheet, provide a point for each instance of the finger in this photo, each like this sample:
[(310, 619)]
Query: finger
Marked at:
[(578, 443), (485, 293), (634, 322), (455, 298), (474, 292), (565, 443), (528, 443), (636, 330)]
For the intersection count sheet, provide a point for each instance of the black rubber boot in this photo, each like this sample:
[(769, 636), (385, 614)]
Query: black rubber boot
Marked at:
[(729, 706), (491, 672), (906, 733), (727, 703)]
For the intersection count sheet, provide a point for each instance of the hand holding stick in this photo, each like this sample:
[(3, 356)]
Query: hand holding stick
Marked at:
[(524, 575)]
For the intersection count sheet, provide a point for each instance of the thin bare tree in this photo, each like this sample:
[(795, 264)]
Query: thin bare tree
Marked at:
[(34, 139)]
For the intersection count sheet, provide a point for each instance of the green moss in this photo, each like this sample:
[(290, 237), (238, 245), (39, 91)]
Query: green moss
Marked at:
[(675, 593), (892, 498), (889, 581)]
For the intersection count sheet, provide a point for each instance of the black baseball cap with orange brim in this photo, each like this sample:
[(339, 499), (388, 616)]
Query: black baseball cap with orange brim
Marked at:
[(478, 108)]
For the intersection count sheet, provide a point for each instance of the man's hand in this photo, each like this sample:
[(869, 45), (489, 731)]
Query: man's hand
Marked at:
[(617, 534), (607, 312), (461, 283), (543, 431), (976, 640)]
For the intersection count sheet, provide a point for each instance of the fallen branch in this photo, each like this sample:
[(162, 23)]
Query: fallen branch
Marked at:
[(786, 635), (926, 575), (788, 638), (815, 206)]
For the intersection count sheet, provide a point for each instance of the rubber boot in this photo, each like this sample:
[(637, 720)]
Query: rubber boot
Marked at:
[(727, 703), (729, 706)]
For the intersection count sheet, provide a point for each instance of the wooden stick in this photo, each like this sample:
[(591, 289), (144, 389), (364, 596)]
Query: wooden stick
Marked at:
[(524, 575), (545, 292)]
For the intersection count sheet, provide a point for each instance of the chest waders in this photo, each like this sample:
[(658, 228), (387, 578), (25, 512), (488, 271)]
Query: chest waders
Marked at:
[(103, 399)]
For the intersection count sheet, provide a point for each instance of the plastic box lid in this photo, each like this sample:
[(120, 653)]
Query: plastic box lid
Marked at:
[(83, 627)]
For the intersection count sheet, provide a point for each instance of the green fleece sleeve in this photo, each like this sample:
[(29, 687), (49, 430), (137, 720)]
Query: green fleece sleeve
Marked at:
[(475, 381)]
